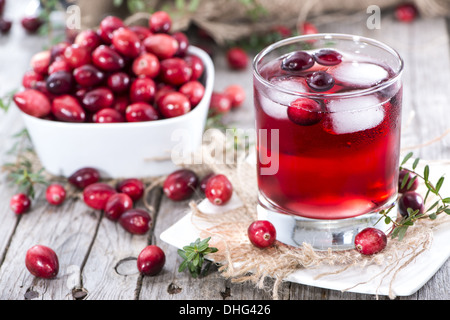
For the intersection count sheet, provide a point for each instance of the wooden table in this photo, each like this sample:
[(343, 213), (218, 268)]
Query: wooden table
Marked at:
[(98, 258)]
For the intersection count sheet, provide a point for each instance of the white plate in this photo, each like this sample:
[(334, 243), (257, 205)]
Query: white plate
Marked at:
[(407, 282)]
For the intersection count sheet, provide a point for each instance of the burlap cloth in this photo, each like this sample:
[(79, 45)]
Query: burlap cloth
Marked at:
[(229, 20)]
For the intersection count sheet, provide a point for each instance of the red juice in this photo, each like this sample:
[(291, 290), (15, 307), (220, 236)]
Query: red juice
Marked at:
[(336, 127)]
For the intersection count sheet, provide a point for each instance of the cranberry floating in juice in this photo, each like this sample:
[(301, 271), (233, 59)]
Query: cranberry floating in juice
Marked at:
[(328, 117)]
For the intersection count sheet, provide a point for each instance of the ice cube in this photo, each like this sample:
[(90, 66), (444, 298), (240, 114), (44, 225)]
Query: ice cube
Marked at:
[(359, 74), (353, 114), (271, 108), (290, 83)]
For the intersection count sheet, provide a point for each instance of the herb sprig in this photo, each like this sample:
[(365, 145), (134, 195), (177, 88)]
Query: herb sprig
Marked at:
[(194, 256)]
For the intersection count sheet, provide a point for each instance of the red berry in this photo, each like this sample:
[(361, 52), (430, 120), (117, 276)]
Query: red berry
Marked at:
[(141, 31), (32, 102), (135, 221), (140, 111), (84, 177), (411, 176), (132, 187), (174, 104), (410, 200), (31, 24), (60, 82), (30, 78), (119, 82), (116, 205), (126, 42), (55, 194), (5, 25), (97, 99), (297, 61), (219, 104), (89, 39), (308, 28), (151, 260), (107, 26), (196, 65), (142, 90), (406, 12), (237, 58), (218, 189), (161, 92), (194, 91), (180, 184), (204, 181), (107, 59), (57, 51), (108, 115), (59, 65), (175, 71), (328, 57), (236, 94), (40, 62), (161, 45), (77, 55), (67, 108), (88, 75), (160, 21), (304, 112), (121, 103), (262, 233), (42, 262), (183, 43), (370, 241), (20, 203), (320, 81), (97, 194), (146, 65)]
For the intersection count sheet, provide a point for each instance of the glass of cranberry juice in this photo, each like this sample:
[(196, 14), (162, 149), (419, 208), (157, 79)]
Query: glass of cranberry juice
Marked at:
[(328, 114)]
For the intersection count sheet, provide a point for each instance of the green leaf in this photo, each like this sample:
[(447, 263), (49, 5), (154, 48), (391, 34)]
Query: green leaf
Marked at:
[(406, 158), (426, 173), (416, 162), (439, 184)]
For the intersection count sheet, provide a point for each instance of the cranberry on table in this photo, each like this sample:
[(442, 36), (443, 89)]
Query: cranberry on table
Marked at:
[(411, 176), (410, 200), (84, 177), (107, 27), (204, 181), (97, 99), (320, 81), (119, 82), (141, 111), (31, 24), (236, 94), (77, 55), (88, 75), (237, 58), (97, 194), (135, 221), (5, 25), (108, 115), (107, 59), (142, 90), (262, 233), (328, 57), (194, 91), (220, 103), (305, 112), (370, 241), (126, 42), (32, 102), (174, 104), (147, 65), (117, 204), (55, 194), (297, 61), (20, 203), (40, 61), (175, 71), (406, 12), (132, 187), (60, 82), (307, 28), (42, 262), (160, 22), (151, 260), (219, 190), (180, 184), (162, 45)]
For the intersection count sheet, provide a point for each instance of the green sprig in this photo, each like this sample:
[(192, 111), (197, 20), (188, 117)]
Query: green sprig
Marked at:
[(194, 256)]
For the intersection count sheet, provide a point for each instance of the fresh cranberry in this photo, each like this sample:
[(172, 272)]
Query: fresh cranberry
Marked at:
[(142, 90), (297, 61), (410, 175), (89, 39), (57, 51), (370, 241), (59, 65), (32, 102), (161, 92), (108, 115), (141, 31), (97, 99), (135, 221), (308, 28), (5, 25), (119, 82), (84, 177), (160, 21), (60, 82), (30, 78), (121, 103), (2, 6), (406, 12), (204, 181), (220, 103), (194, 91), (183, 43), (88, 75), (237, 58), (219, 190), (410, 200), (132, 187), (96, 195), (151, 260), (162, 45), (305, 112), (140, 111), (20, 203), (196, 65), (107, 27), (116, 205), (107, 59), (40, 62), (320, 81), (77, 55), (126, 42), (67, 108), (55, 194), (42, 262), (180, 184), (236, 94), (262, 233), (146, 65), (174, 104), (31, 24), (175, 71), (328, 57)]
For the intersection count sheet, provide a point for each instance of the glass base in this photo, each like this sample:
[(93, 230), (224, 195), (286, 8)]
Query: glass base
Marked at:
[(338, 234)]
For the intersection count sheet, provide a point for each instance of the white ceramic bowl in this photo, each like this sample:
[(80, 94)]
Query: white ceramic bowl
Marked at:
[(121, 150)]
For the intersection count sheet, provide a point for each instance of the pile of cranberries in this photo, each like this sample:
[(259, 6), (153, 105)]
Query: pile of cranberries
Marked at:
[(117, 73)]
